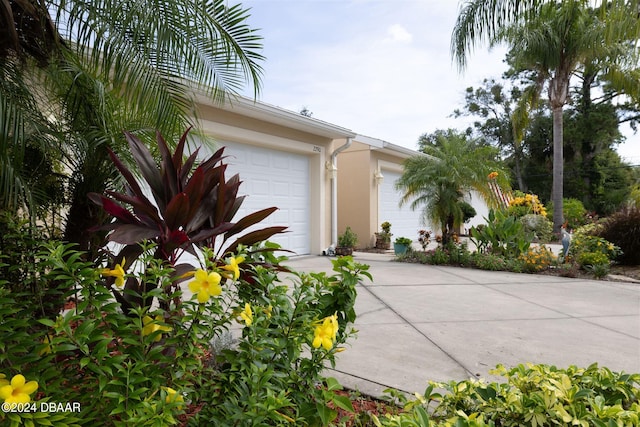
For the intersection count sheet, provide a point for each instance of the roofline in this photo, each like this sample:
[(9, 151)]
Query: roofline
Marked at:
[(388, 147), (276, 115)]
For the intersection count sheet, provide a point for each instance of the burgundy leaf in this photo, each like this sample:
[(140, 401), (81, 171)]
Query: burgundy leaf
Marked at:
[(250, 220), (256, 237), (130, 234), (209, 232), (148, 168), (177, 210), (112, 208)]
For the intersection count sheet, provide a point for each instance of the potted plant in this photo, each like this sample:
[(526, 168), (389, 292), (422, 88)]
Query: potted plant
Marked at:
[(401, 245), (383, 238), (346, 242)]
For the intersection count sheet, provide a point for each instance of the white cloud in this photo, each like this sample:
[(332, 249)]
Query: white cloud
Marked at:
[(399, 33)]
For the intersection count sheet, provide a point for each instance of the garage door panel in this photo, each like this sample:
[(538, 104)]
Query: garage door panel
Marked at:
[(404, 221), (274, 178)]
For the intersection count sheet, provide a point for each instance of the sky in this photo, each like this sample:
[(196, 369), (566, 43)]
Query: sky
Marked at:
[(381, 68)]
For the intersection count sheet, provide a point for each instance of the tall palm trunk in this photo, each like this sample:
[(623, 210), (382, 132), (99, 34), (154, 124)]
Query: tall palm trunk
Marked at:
[(558, 92), (558, 169)]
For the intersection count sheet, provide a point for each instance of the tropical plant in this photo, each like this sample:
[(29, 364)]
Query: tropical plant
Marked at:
[(193, 207), (502, 235), (438, 181), (552, 39), (75, 73)]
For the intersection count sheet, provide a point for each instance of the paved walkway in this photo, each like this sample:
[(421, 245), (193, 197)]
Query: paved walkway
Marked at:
[(418, 323)]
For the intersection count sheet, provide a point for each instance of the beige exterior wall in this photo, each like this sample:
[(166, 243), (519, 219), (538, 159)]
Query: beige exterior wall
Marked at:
[(356, 192), (358, 195)]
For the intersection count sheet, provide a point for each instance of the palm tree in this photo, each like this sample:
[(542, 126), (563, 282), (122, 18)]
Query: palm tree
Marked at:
[(449, 169), (553, 39), (75, 73)]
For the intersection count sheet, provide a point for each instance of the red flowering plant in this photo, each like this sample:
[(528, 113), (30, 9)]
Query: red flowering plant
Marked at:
[(193, 207)]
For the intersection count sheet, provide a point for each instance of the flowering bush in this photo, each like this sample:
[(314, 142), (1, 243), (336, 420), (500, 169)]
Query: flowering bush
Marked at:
[(522, 204), (537, 259), (581, 243), (155, 367)]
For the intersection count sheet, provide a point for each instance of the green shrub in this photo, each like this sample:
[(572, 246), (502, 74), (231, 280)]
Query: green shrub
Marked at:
[(623, 230), (439, 256), (581, 244), (540, 226), (146, 366), (592, 258), (573, 211), (458, 253), (530, 395), (488, 261)]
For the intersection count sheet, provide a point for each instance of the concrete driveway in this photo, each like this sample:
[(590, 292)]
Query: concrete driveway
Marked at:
[(418, 323)]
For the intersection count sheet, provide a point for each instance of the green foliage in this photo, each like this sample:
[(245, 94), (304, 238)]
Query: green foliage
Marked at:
[(530, 395), (502, 235), (122, 367), (403, 241), (573, 212), (589, 244), (623, 230), (348, 239), (539, 225), (468, 211), (488, 261)]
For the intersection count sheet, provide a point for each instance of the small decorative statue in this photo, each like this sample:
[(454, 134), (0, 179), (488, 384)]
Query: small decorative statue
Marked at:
[(566, 239)]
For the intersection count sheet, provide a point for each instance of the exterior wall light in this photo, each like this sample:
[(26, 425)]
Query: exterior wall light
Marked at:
[(378, 177), (332, 170)]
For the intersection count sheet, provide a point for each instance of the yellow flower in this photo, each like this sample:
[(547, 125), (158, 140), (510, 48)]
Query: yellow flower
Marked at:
[(268, 311), (325, 333), (493, 175), (205, 285), (173, 396), (47, 349), (18, 390), (117, 272), (247, 314), (151, 325), (232, 268), (3, 381)]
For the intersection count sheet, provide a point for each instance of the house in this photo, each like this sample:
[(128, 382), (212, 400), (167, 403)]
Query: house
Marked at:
[(322, 177), (284, 160)]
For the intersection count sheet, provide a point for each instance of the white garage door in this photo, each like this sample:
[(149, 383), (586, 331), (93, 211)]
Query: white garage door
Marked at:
[(274, 178), (404, 221)]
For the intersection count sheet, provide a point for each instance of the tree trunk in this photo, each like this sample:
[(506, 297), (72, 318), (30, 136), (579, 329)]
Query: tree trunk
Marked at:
[(558, 170)]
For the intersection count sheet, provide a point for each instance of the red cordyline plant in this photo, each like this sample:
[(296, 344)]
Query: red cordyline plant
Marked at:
[(191, 209)]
